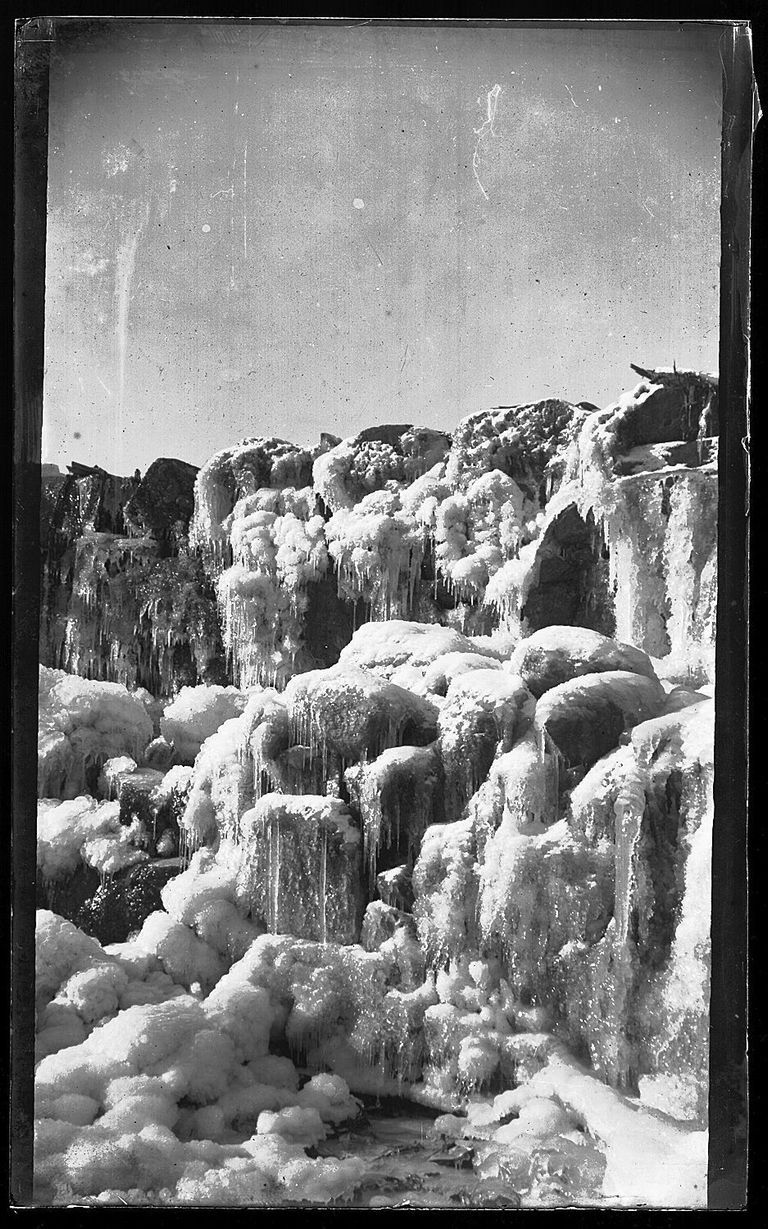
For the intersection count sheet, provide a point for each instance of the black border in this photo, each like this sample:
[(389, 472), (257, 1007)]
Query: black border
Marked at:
[(728, 1097)]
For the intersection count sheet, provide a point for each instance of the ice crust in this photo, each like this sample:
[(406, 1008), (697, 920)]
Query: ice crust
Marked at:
[(82, 724)]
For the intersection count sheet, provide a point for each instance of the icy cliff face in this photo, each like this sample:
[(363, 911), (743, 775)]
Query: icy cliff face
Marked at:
[(526, 516), (628, 543), (442, 832), (546, 837), (123, 599)]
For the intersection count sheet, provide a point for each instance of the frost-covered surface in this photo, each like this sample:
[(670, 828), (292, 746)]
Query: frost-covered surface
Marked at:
[(278, 550), (519, 952), (84, 830), (524, 515), (301, 867), (654, 525), (82, 724), (459, 856), (195, 714)]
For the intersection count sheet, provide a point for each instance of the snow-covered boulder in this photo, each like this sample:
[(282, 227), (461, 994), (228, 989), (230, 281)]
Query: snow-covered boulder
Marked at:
[(82, 724)]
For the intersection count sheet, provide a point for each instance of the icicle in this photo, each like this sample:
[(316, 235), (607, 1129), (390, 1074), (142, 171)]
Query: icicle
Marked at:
[(323, 881), (274, 870)]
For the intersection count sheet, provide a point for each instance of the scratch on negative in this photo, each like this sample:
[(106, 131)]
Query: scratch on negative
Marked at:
[(570, 95), (484, 130), (376, 254), (405, 357), (245, 201)]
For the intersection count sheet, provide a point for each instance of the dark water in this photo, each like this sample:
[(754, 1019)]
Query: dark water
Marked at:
[(408, 1165)]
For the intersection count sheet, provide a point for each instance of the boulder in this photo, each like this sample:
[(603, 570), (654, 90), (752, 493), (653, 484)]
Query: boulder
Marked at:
[(555, 654), (586, 717), (162, 504), (349, 714), (484, 713), (302, 874), (121, 905)]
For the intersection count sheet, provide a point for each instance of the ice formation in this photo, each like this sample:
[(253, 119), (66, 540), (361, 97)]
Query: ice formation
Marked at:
[(621, 546), (398, 784), (124, 600), (82, 724), (195, 714), (301, 867)]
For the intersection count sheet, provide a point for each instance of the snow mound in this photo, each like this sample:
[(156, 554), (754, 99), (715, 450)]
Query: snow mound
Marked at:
[(195, 714), (82, 724), (385, 647), (84, 830)]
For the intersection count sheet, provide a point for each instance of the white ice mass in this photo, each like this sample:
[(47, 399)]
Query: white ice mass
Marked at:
[(375, 787)]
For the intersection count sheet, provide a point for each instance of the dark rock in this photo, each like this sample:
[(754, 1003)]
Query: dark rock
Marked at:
[(159, 755), (135, 793), (327, 440), (649, 457), (68, 896), (677, 405), (127, 614), (121, 904), (571, 584), (330, 622), (395, 888), (163, 502), (555, 654), (586, 717)]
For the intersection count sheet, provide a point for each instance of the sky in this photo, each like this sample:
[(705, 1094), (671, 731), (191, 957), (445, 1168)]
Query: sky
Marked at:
[(281, 230)]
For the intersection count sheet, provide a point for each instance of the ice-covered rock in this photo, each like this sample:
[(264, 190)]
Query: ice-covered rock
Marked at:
[(489, 659), (557, 654), (398, 796), (386, 647), (195, 714), (278, 552), (232, 473), (395, 888), (629, 550), (82, 724), (484, 714), (651, 966), (380, 923), (302, 867), (347, 714), (83, 829), (375, 459), (586, 716), (229, 770)]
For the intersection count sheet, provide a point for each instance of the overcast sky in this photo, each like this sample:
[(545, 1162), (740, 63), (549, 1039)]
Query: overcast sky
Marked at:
[(260, 230)]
